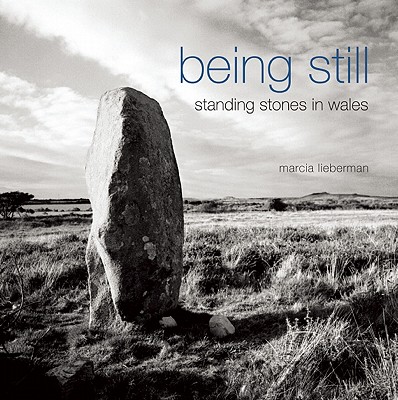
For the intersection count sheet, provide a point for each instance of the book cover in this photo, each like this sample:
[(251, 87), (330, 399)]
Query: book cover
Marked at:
[(283, 119)]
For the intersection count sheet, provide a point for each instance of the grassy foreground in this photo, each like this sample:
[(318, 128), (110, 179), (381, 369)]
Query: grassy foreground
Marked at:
[(314, 304)]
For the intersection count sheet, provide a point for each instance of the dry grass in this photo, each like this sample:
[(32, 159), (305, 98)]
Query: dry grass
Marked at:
[(325, 219), (314, 305)]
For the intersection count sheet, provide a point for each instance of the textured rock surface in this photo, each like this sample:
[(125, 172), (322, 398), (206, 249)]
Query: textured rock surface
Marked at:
[(168, 322), (220, 326), (134, 253), (74, 381)]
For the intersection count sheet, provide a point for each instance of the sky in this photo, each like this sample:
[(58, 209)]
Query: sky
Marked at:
[(58, 57)]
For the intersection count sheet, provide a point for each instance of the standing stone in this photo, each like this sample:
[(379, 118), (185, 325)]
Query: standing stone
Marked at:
[(134, 252)]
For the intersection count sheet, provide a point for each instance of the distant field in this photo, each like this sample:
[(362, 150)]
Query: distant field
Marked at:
[(326, 219), (312, 202), (55, 209), (45, 225)]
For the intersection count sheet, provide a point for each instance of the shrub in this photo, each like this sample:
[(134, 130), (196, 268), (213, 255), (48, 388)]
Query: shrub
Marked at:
[(208, 207), (277, 205)]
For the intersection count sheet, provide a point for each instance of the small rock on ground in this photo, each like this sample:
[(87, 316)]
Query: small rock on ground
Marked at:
[(220, 326), (168, 322)]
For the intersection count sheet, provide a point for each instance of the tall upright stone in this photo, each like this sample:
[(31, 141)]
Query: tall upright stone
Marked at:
[(134, 252)]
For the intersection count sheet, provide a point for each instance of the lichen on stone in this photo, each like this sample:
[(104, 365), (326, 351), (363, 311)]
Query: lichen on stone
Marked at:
[(151, 250)]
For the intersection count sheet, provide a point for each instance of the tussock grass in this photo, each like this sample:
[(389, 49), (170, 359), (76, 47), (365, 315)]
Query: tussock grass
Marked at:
[(315, 311), (298, 262), (45, 267)]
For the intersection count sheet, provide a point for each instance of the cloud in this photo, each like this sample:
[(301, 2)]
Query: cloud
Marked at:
[(40, 178), (44, 135), (58, 116), (116, 35), (141, 41), (7, 122)]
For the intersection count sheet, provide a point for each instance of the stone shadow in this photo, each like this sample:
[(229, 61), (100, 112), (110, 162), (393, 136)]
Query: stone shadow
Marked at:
[(163, 383)]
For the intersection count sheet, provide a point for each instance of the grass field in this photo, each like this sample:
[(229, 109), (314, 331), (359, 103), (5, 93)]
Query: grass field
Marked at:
[(312, 295)]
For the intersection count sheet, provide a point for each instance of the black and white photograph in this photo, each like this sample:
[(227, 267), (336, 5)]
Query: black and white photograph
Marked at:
[(199, 199)]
